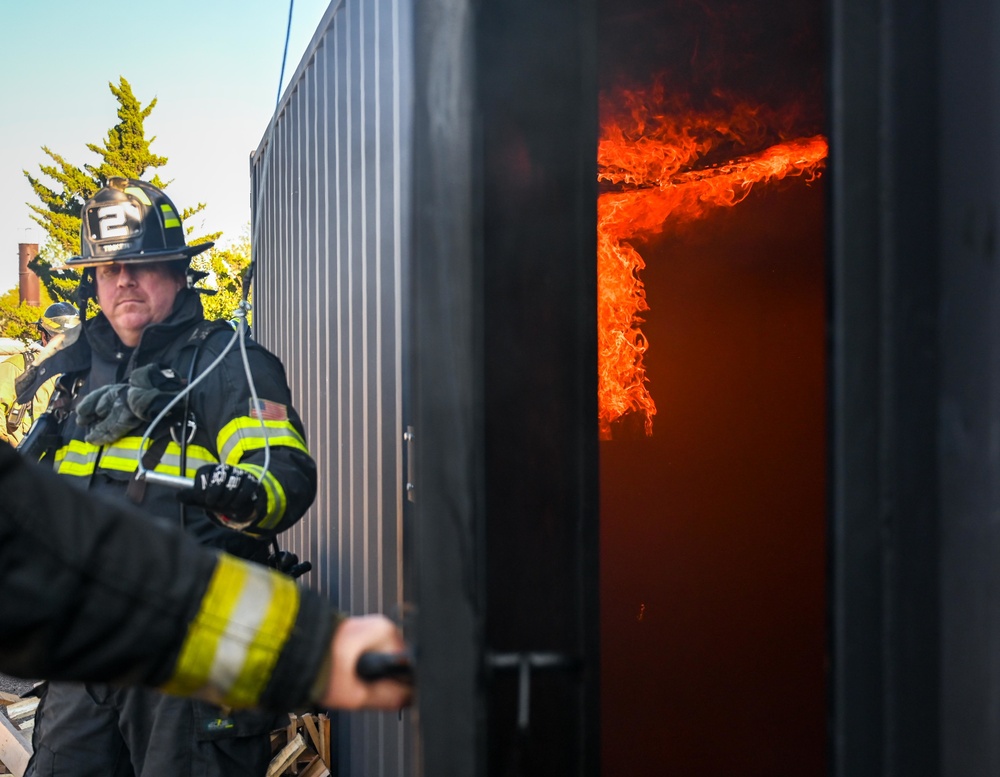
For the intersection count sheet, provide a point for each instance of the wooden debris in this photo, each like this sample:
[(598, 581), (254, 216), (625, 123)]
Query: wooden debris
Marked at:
[(15, 746), (302, 748), (22, 709), (313, 729), (286, 757), (17, 720), (316, 768), (324, 730)]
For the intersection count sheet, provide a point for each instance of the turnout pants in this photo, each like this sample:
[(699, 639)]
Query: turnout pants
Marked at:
[(98, 730)]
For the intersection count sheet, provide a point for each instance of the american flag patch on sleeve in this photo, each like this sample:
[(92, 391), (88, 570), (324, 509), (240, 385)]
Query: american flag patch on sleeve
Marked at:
[(266, 410)]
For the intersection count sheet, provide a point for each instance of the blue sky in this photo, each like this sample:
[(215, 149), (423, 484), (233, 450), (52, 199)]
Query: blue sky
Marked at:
[(213, 66)]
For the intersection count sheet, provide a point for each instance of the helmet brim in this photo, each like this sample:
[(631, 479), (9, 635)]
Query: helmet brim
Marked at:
[(143, 257)]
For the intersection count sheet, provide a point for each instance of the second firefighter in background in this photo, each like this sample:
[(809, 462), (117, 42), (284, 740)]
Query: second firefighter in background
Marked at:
[(253, 475), (59, 321)]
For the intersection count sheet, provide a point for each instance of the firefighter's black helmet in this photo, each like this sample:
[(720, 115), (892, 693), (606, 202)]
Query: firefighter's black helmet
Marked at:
[(131, 221)]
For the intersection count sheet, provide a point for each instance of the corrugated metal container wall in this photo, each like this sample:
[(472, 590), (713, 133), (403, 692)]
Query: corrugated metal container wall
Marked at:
[(330, 190)]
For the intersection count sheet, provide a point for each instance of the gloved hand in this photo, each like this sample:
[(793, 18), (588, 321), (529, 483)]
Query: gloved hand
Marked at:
[(105, 413), (231, 495), (110, 412), (150, 388)]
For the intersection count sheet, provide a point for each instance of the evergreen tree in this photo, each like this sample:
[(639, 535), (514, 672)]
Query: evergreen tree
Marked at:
[(224, 269), (125, 153), (18, 319)]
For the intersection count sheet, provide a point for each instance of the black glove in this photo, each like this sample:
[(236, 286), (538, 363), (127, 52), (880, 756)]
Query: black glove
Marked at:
[(231, 495)]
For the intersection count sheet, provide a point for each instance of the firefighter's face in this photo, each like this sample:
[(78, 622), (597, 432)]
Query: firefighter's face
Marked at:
[(133, 296)]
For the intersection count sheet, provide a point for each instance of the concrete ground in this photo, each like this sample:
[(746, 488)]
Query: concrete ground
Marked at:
[(15, 684)]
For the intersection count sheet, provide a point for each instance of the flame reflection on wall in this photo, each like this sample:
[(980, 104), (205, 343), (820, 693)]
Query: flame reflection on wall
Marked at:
[(662, 163)]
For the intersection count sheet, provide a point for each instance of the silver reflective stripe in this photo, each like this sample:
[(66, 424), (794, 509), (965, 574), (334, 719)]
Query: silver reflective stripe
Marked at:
[(122, 456), (245, 620), (196, 457), (76, 459)]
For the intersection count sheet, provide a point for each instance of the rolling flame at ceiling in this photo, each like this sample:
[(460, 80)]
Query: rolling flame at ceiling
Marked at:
[(663, 163)]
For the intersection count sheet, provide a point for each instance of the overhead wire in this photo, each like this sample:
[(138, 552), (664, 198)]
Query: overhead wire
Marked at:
[(241, 312)]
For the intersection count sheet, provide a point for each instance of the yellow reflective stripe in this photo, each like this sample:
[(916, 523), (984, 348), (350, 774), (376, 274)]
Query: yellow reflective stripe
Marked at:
[(123, 455), (263, 652), (169, 217), (197, 457), (79, 458), (139, 194), (245, 434), (76, 458), (277, 502), (193, 670), (234, 641)]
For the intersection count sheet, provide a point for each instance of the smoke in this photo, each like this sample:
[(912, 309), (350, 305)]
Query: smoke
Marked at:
[(765, 53)]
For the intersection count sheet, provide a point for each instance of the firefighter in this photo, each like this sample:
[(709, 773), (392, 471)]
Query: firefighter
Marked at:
[(232, 429), (58, 319), (91, 591)]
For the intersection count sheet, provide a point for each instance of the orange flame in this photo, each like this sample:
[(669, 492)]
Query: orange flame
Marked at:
[(659, 161)]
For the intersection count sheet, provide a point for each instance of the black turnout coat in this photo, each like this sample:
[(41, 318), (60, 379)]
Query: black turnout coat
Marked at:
[(227, 426), (94, 591)]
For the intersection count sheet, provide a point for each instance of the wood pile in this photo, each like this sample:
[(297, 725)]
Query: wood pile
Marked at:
[(302, 748), (16, 722)]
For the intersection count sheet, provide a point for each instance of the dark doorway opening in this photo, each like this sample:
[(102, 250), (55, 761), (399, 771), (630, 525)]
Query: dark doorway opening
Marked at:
[(713, 508)]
